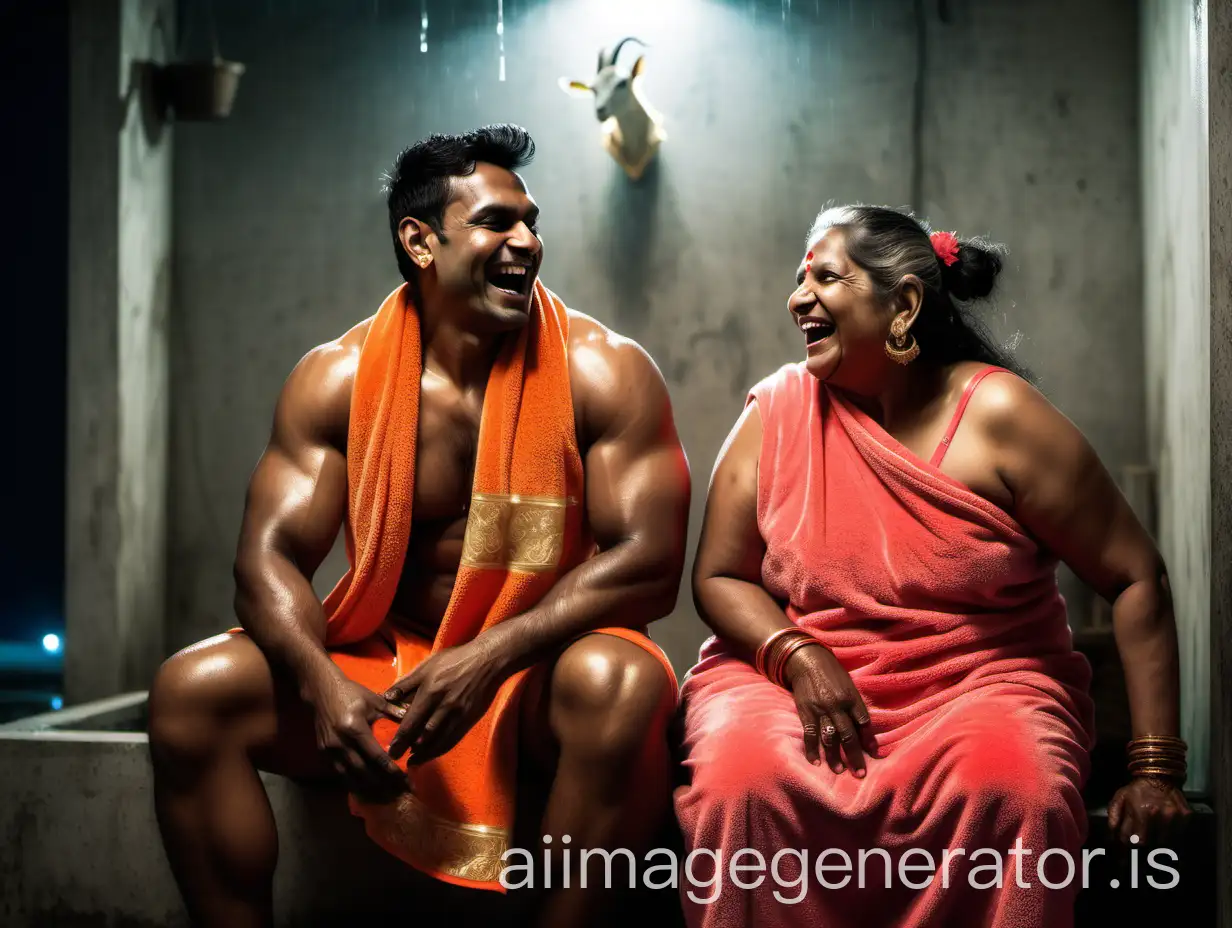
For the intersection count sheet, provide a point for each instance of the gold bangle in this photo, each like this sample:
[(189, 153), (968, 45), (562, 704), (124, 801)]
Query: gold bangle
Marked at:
[(1148, 772), (1155, 748), (1158, 741), (1156, 758)]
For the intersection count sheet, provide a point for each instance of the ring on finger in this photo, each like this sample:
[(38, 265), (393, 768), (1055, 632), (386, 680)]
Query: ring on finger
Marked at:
[(827, 734)]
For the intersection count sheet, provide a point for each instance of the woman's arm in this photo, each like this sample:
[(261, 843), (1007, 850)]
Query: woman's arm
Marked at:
[(731, 600), (1067, 499), (727, 569)]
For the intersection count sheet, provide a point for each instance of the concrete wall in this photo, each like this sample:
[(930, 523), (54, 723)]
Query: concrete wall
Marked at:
[(1176, 251), (119, 246), (281, 240)]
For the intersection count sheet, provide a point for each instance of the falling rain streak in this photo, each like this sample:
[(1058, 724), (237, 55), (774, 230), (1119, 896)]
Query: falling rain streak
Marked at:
[(423, 26), (500, 33)]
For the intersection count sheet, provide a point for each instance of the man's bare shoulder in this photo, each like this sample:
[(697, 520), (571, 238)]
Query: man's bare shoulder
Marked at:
[(601, 357), (317, 394), (611, 375)]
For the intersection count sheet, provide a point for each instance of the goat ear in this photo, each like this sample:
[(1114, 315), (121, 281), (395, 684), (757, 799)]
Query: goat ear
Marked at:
[(638, 67), (574, 88)]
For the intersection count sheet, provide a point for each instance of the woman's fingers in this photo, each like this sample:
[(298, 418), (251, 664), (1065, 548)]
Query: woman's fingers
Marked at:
[(860, 715), (849, 738), (1129, 823), (1115, 810), (830, 743), (812, 732)]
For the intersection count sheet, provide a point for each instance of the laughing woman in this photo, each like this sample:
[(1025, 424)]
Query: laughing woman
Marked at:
[(892, 668)]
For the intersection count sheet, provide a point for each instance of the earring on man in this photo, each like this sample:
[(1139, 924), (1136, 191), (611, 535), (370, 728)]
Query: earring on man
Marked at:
[(901, 347)]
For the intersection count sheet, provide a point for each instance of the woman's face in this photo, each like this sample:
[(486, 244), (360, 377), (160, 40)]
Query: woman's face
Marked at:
[(843, 323)]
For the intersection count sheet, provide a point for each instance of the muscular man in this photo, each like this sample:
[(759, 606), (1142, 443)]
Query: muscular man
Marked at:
[(300, 691)]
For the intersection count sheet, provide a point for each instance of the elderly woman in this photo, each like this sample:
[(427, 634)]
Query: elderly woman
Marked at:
[(891, 726)]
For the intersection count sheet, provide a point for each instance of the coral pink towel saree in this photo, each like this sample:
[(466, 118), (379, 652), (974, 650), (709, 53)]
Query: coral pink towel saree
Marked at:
[(948, 618)]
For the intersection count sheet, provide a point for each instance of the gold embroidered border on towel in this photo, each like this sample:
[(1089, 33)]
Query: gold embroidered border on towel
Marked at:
[(468, 852), (512, 532)]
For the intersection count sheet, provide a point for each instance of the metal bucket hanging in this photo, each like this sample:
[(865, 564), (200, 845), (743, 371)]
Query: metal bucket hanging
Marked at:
[(199, 90), (203, 89)]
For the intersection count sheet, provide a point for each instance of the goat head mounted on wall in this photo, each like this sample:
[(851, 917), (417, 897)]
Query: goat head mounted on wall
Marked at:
[(631, 130)]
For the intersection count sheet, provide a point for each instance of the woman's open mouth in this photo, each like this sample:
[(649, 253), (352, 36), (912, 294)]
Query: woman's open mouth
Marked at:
[(511, 279), (816, 330)]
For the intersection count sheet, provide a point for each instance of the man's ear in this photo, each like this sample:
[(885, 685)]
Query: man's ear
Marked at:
[(414, 235)]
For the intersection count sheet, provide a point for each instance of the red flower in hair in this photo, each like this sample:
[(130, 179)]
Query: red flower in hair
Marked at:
[(945, 244)]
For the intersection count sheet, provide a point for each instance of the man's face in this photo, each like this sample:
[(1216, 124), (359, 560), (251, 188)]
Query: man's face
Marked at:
[(486, 259)]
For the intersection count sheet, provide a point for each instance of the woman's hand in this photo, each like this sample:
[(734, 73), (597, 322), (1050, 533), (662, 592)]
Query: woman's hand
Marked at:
[(833, 714), (1151, 809)]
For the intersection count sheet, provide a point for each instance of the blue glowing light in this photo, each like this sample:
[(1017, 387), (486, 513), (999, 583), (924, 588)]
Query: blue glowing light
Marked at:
[(57, 703), (51, 644)]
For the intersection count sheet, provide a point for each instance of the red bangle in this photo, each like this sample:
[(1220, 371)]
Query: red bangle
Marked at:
[(786, 652), (759, 660)]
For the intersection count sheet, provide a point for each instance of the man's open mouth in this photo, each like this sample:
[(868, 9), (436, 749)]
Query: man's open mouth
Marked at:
[(816, 329), (513, 279)]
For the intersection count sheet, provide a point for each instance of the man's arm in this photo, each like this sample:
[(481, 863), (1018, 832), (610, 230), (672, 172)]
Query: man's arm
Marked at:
[(296, 501), (637, 504), (292, 514)]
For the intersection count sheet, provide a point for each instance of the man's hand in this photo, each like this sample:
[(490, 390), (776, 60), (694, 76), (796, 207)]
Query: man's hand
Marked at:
[(344, 713), (443, 697)]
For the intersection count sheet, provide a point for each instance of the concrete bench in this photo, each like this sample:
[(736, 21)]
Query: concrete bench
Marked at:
[(81, 847)]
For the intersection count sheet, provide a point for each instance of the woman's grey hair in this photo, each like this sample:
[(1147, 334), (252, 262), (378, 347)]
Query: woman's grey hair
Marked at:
[(889, 244)]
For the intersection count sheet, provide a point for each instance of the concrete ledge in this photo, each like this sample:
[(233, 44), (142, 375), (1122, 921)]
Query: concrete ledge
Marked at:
[(79, 845), (125, 712)]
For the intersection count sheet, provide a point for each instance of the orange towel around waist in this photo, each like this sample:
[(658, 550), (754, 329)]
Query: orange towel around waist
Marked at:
[(525, 529)]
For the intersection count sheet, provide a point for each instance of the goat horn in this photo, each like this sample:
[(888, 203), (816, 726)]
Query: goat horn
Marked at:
[(615, 52)]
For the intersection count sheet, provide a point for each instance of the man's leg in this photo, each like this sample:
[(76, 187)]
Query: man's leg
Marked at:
[(217, 713), (608, 706)]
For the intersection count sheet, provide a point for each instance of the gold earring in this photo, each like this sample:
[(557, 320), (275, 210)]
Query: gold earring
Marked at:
[(901, 347), (425, 260)]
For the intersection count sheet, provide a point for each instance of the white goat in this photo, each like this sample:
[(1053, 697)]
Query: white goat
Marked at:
[(631, 129)]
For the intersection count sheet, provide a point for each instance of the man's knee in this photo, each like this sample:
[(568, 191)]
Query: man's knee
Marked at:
[(609, 698), (204, 695)]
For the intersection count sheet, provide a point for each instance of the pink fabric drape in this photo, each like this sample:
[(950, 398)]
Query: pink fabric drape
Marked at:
[(948, 618)]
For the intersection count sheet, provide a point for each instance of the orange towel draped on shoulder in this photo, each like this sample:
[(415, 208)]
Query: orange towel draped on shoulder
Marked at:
[(525, 529)]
